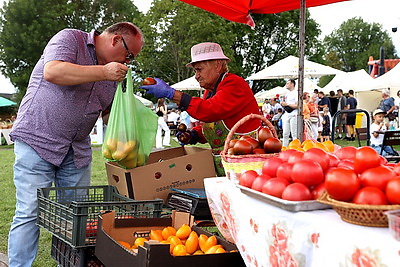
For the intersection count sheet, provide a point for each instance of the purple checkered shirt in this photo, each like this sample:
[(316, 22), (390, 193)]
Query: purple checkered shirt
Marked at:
[(52, 118)]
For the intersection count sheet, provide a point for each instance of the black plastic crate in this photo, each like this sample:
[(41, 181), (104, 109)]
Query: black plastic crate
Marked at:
[(71, 213), (66, 256), (196, 206)]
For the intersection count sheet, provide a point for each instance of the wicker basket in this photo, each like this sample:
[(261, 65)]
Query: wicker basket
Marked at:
[(366, 215), (234, 165)]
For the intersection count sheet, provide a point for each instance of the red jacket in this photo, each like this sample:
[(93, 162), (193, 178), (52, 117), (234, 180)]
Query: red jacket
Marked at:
[(232, 101)]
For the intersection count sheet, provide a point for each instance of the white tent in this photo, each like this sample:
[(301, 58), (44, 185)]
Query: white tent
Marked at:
[(289, 68), (354, 80), (145, 102), (309, 86), (188, 84), (390, 79)]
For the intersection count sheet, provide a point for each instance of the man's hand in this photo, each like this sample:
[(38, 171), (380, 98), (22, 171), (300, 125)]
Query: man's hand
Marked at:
[(115, 71)]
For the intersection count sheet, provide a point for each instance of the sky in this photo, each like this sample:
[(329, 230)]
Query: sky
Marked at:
[(385, 12)]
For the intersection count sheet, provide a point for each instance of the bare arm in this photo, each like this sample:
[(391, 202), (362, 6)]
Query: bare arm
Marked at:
[(65, 73)]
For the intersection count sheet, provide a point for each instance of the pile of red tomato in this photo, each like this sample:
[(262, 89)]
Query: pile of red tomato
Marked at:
[(266, 143), (358, 175)]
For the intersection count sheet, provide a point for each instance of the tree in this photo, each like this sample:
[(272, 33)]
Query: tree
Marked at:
[(27, 25), (349, 47)]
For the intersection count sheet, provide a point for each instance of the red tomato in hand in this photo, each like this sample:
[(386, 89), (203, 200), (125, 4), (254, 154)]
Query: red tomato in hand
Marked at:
[(393, 191), (247, 178), (377, 177), (285, 171), (242, 147), (296, 192), (148, 81), (264, 134), (275, 186), (260, 181), (272, 145), (271, 165), (366, 157), (346, 152), (370, 195), (342, 184), (319, 156), (317, 191), (284, 155), (307, 172)]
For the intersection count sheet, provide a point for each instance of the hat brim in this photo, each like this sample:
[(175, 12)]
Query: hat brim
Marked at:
[(206, 59)]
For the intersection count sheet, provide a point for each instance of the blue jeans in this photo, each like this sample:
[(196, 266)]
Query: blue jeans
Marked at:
[(386, 150), (30, 173)]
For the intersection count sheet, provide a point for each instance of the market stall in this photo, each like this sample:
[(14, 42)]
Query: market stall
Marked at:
[(270, 236)]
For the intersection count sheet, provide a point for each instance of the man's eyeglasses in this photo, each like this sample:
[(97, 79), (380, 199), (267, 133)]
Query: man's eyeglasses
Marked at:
[(129, 55)]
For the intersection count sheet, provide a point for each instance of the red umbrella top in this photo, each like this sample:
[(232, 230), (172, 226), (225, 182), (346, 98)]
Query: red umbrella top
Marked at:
[(239, 10)]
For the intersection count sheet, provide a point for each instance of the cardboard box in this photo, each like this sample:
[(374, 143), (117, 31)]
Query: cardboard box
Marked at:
[(153, 254), (180, 167)]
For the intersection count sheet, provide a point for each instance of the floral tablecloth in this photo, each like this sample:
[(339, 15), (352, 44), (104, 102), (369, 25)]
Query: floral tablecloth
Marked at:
[(270, 236)]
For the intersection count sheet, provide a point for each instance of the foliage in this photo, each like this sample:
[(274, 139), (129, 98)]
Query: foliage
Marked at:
[(349, 47), (27, 25)]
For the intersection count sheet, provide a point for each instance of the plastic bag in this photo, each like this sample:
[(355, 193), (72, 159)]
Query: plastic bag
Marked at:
[(131, 128)]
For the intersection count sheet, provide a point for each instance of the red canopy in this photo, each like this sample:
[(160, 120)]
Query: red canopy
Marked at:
[(239, 10)]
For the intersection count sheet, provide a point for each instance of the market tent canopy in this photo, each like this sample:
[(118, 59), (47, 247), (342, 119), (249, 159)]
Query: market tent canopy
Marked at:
[(390, 79), (239, 10), (188, 84), (4, 102), (289, 67), (355, 80), (145, 101)]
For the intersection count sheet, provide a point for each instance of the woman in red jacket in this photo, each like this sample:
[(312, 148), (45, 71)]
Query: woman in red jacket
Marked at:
[(227, 99)]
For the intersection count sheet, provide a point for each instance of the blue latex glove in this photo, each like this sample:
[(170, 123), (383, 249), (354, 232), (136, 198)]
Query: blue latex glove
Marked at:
[(191, 137), (160, 89)]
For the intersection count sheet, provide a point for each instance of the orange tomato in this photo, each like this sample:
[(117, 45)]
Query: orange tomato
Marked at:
[(202, 242), (184, 231), (294, 143), (167, 232), (329, 145), (179, 250), (213, 249), (192, 243), (322, 146), (156, 235), (220, 250), (139, 242), (198, 252), (211, 241), (124, 244)]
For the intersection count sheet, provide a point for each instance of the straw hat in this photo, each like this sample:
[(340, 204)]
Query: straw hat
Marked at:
[(206, 51)]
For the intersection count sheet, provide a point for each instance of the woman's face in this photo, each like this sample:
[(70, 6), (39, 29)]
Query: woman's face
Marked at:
[(207, 73)]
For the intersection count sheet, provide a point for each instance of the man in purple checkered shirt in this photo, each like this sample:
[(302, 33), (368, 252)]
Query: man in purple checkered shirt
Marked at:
[(72, 84)]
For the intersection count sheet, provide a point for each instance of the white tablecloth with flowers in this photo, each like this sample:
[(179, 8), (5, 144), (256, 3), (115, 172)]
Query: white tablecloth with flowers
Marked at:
[(270, 236)]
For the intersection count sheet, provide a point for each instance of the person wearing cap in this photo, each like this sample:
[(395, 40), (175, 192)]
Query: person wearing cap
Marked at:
[(227, 99), (378, 127)]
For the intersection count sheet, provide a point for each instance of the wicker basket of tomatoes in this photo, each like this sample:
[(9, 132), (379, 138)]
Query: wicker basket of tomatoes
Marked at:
[(249, 152), (360, 214)]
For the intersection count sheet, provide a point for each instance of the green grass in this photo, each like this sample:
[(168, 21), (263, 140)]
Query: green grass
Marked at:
[(7, 205)]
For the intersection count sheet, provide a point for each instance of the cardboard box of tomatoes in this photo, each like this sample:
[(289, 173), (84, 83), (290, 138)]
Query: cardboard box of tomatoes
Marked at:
[(179, 167), (113, 230)]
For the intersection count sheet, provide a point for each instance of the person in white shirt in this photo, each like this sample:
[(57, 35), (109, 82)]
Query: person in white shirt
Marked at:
[(289, 118), (173, 117), (378, 127), (397, 104), (266, 108)]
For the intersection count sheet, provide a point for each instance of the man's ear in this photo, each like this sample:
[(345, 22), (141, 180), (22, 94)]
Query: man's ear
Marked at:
[(115, 39)]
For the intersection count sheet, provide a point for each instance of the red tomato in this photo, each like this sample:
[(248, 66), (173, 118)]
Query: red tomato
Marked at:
[(370, 195), (284, 155), (232, 143), (396, 168), (377, 177), (346, 163), (259, 182), (272, 145), (317, 191), (258, 151), (296, 156), (346, 152), (296, 192), (149, 81), (264, 134), (383, 160), (271, 165), (393, 191), (247, 178), (307, 172), (285, 171), (366, 157), (333, 160), (319, 156), (254, 143), (275, 186), (341, 183), (242, 147)]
